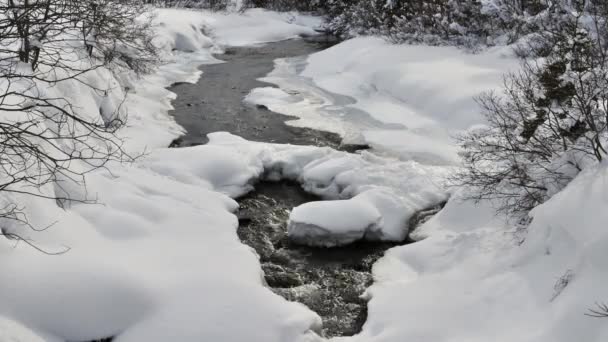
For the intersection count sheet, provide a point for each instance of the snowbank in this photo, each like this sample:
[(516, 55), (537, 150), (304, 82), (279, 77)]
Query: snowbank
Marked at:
[(11, 331), (470, 280), (407, 100), (180, 29), (258, 26), (158, 258), (469, 277), (387, 188), (188, 39)]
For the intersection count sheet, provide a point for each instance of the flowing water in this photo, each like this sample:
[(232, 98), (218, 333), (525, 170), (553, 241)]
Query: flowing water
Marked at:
[(329, 281)]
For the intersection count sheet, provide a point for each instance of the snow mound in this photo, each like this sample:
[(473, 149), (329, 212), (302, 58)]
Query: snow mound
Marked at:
[(332, 223), (376, 214), (406, 100)]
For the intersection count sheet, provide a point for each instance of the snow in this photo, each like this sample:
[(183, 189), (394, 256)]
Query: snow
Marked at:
[(406, 100), (188, 39), (470, 280), (473, 275), (145, 260), (158, 257), (393, 189), (252, 27), (11, 331), (332, 223), (258, 26), (375, 214)]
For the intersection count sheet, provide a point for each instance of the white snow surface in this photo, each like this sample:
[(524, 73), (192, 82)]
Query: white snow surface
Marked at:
[(158, 259), (471, 280), (252, 27), (404, 99), (378, 213), (332, 223), (473, 275)]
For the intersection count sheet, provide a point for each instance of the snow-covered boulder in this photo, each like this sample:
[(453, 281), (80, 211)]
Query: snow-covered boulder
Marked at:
[(332, 223), (376, 214), (394, 212)]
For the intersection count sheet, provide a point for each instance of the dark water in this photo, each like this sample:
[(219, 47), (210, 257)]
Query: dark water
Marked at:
[(216, 104), (329, 281)]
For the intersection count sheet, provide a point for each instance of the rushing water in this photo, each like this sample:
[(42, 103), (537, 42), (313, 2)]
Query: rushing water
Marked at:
[(328, 281)]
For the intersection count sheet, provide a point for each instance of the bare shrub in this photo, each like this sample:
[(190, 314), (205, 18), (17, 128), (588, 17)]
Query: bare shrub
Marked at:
[(549, 122), (47, 46)]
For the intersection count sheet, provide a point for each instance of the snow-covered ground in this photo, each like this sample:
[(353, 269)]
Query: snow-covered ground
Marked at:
[(470, 278), (405, 99), (158, 259)]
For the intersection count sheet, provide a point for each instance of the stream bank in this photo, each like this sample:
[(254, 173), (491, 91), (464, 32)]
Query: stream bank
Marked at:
[(328, 281)]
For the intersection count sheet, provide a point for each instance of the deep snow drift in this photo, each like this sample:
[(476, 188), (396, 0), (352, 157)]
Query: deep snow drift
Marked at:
[(471, 280)]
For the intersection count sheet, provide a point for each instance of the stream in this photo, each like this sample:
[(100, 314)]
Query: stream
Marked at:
[(215, 103), (328, 281)]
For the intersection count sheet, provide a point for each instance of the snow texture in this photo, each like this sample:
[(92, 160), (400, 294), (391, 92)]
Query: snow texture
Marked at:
[(402, 99), (473, 275), (375, 214), (332, 223), (158, 259)]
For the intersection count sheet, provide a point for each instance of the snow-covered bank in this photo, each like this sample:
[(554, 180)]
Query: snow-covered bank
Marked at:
[(470, 278), (253, 27), (158, 258), (408, 100)]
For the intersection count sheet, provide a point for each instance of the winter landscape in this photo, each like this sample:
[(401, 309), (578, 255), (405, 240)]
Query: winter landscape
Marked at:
[(303, 170)]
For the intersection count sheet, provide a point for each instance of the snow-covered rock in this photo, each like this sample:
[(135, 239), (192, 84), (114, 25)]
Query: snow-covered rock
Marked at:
[(332, 223), (395, 219), (376, 214)]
